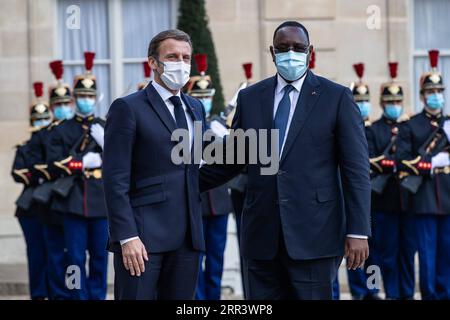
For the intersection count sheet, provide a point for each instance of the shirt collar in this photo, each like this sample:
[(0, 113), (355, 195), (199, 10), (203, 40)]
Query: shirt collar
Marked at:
[(163, 92), (297, 84)]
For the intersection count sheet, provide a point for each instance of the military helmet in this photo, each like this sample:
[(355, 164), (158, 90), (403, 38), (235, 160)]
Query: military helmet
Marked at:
[(200, 85), (147, 73), (391, 91), (359, 89), (432, 79), (86, 83), (312, 60), (60, 92), (39, 110)]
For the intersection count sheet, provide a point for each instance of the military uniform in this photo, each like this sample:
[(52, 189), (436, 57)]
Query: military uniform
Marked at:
[(420, 140), (216, 204), (395, 228), (357, 279), (27, 210), (79, 194)]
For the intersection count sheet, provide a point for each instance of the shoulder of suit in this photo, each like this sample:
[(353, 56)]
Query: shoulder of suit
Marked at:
[(329, 84)]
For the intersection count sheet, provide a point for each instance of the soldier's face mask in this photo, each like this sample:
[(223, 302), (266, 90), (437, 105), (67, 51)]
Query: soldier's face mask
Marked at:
[(393, 111), (364, 108), (63, 112), (207, 103), (176, 74), (435, 100), (41, 123), (291, 65), (85, 105)]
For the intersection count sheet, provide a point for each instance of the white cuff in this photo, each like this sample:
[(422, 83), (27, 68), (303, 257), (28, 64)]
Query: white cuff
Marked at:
[(122, 242), (357, 236)]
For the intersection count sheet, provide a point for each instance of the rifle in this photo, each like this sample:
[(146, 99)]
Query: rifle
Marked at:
[(63, 185), (379, 181), (434, 144)]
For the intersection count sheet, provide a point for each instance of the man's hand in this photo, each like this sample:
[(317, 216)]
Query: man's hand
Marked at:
[(134, 254), (356, 252)]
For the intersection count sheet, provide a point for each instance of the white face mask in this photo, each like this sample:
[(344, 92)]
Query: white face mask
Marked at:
[(176, 74)]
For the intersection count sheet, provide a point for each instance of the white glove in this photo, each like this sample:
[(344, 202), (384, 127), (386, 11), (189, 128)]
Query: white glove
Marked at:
[(92, 160), (98, 133), (447, 129), (219, 129), (440, 160)]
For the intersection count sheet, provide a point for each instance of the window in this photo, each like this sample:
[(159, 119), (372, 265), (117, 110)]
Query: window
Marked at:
[(118, 31), (431, 31)]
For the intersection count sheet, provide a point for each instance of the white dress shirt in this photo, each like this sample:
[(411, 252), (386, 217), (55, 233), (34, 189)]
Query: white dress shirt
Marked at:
[(165, 95), (293, 96)]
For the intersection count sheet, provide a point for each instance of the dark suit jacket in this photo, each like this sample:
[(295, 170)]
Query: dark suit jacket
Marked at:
[(147, 195), (303, 199)]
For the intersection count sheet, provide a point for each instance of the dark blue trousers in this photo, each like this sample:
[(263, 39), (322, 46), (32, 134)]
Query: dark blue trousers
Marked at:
[(57, 262), (211, 262), (396, 244), (357, 279), (33, 231), (433, 240), (91, 235)]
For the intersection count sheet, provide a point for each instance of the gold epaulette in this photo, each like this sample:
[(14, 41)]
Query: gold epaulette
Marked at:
[(61, 164), (411, 164), (404, 118), (367, 123), (22, 174), (43, 168), (54, 124)]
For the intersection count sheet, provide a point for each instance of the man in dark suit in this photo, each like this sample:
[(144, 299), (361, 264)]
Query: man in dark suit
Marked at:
[(154, 207), (294, 230)]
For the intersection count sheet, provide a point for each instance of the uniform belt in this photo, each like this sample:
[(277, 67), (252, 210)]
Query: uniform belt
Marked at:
[(93, 173), (442, 170)]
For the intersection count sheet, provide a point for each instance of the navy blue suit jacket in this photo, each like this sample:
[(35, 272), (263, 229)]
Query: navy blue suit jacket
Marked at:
[(147, 195), (304, 199)]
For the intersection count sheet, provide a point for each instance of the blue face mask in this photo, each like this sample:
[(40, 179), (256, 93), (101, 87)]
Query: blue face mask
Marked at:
[(207, 103), (393, 111), (85, 105), (364, 108), (291, 65), (63, 112), (41, 123), (435, 100)]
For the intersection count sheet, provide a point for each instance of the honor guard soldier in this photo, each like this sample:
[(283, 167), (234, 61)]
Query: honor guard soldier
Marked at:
[(395, 233), (27, 210), (76, 153), (357, 279), (61, 105), (423, 158), (147, 73), (216, 203)]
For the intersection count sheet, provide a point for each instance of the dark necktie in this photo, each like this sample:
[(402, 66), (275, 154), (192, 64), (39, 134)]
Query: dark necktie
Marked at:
[(282, 115), (180, 117)]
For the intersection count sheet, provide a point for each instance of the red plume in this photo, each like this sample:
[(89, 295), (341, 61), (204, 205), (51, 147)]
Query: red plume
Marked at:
[(393, 66), (359, 69), (147, 70), (433, 55), (57, 69), (38, 89), (312, 61), (200, 61), (248, 70), (89, 60)]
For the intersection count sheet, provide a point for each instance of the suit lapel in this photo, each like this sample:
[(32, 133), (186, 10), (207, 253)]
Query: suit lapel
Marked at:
[(267, 101), (309, 95), (160, 108)]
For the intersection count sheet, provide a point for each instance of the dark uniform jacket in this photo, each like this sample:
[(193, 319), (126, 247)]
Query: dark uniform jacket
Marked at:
[(432, 196), (379, 136), (69, 142)]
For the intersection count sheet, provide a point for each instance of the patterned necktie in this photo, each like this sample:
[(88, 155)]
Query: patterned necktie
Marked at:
[(180, 117), (282, 115)]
